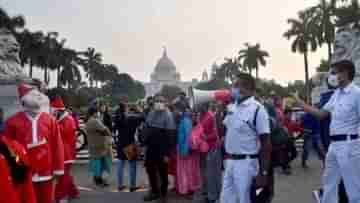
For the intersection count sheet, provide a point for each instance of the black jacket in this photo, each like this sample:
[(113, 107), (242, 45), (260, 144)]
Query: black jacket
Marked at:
[(107, 121), (126, 125)]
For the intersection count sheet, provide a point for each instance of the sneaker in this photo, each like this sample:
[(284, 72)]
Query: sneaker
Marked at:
[(151, 197)]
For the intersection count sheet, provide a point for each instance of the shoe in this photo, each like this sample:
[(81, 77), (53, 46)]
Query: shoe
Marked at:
[(104, 183), (304, 165), (133, 189), (98, 181), (163, 199), (151, 197), (121, 188), (317, 195), (287, 171)]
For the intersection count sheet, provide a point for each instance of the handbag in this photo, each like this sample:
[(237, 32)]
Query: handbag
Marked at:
[(131, 151)]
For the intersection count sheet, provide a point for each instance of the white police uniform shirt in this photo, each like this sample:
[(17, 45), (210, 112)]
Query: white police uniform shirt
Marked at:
[(241, 135), (344, 106)]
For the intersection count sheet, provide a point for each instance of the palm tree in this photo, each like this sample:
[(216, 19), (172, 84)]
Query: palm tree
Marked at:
[(230, 68), (30, 48), (91, 62), (47, 58), (346, 15), (252, 56), (70, 72), (301, 31), (11, 23), (322, 20)]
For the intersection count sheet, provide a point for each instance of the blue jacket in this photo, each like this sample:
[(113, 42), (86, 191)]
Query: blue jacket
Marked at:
[(325, 124), (311, 124), (184, 132)]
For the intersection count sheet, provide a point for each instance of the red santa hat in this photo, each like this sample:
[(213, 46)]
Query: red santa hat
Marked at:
[(24, 89), (57, 103)]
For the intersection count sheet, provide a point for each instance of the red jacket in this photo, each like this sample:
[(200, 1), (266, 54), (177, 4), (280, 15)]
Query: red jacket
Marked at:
[(12, 192), (292, 126), (209, 125), (41, 138), (68, 135)]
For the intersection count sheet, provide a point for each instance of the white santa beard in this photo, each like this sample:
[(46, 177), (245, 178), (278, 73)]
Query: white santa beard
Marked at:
[(30, 103)]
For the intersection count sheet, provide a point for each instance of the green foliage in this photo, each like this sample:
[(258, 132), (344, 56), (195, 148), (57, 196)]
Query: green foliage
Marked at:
[(71, 98), (214, 84), (170, 92), (124, 85), (324, 66), (266, 87), (297, 86), (11, 23), (228, 70)]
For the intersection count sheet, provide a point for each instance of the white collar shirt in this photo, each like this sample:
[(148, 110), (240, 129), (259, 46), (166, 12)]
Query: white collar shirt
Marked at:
[(344, 107), (241, 134)]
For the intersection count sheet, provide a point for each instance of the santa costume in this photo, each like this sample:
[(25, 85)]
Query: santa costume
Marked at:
[(15, 179), (39, 134), (65, 187)]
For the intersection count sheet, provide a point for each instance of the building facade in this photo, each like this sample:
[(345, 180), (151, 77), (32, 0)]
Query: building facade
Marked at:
[(165, 73)]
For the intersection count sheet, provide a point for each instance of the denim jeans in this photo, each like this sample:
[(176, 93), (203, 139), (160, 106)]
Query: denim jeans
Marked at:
[(132, 172), (311, 141)]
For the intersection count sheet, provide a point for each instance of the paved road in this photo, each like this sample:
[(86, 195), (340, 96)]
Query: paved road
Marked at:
[(295, 188)]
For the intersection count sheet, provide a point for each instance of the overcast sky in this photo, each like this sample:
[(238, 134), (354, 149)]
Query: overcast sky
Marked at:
[(131, 33)]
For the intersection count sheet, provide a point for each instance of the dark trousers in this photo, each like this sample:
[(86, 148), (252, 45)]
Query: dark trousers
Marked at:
[(157, 170), (267, 194)]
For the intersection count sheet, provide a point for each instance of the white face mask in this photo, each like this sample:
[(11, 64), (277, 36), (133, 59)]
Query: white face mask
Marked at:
[(333, 80)]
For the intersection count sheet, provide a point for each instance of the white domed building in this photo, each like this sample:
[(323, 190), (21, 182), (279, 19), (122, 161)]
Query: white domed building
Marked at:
[(165, 73)]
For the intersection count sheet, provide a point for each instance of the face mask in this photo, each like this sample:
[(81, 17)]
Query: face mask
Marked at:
[(333, 80), (235, 93)]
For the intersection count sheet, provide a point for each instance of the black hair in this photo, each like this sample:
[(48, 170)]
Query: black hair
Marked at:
[(348, 66), (247, 81), (91, 111)]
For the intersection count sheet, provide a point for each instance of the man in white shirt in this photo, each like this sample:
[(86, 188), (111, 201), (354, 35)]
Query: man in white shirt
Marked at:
[(247, 142), (343, 157)]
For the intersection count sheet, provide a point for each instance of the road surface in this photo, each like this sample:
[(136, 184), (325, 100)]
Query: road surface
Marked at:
[(296, 188)]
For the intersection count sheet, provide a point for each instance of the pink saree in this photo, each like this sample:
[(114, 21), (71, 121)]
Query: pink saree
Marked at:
[(188, 177)]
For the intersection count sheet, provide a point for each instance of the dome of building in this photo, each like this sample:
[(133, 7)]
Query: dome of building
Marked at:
[(165, 65)]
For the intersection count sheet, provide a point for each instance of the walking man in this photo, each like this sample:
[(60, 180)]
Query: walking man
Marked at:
[(247, 142), (343, 157)]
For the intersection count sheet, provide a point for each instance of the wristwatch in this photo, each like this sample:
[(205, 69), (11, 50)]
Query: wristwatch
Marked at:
[(264, 173)]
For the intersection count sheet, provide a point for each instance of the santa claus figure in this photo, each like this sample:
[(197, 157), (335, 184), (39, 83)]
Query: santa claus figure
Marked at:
[(65, 188), (15, 179), (39, 134)]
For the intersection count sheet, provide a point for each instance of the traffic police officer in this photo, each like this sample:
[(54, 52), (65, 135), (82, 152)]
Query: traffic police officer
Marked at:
[(343, 157), (247, 141)]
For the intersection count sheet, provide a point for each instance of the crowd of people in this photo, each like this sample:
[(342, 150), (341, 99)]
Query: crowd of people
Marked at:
[(189, 143), (221, 150)]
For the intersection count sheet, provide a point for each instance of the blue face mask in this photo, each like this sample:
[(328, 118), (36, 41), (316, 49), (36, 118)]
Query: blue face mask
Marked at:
[(236, 94)]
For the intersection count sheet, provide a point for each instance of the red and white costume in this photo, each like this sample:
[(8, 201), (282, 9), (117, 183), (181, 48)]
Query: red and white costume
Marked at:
[(66, 186), (40, 136), (12, 192)]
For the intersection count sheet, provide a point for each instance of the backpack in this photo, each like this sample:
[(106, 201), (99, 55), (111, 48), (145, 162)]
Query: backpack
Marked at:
[(278, 134)]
